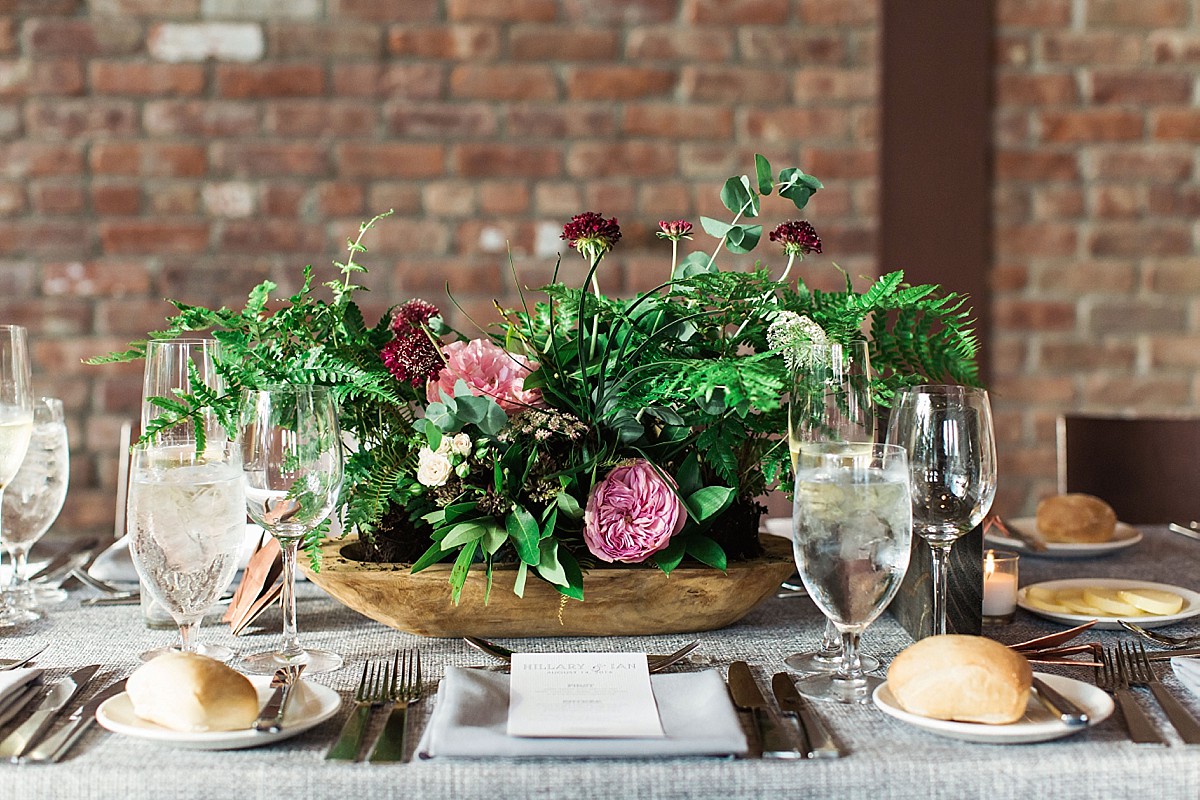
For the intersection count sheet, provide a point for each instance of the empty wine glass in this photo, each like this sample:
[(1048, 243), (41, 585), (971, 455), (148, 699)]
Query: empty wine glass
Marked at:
[(852, 533), (293, 474), (16, 426), (947, 431), (34, 499), (830, 401)]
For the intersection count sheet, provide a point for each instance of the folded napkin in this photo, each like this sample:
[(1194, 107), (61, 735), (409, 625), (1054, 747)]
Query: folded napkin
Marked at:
[(115, 565), (1187, 670), (13, 683), (471, 716)]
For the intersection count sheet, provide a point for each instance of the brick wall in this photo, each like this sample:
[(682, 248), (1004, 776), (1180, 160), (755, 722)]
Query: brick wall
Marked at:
[(192, 148), (1096, 276)]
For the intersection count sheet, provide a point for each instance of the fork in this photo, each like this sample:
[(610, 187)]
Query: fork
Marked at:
[(1112, 677), (1160, 639), (14, 663), (655, 663), (1142, 674), (393, 743), (371, 693)]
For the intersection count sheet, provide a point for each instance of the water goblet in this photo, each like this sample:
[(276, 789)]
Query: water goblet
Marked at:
[(947, 431), (852, 532), (293, 473), (34, 499), (830, 401), (16, 426)]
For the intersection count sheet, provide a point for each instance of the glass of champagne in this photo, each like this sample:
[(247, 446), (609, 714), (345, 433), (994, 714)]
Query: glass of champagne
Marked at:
[(830, 401), (16, 426), (34, 498), (947, 431), (293, 474), (852, 533)]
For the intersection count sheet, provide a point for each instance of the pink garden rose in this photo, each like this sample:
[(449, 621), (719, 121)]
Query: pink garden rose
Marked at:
[(490, 371), (631, 514)]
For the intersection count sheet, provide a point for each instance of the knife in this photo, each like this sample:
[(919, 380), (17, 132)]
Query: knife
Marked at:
[(270, 719), (819, 743), (773, 740), (1059, 706), (56, 745), (31, 730)]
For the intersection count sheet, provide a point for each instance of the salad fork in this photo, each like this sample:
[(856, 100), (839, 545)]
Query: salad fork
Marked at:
[(1112, 677), (405, 692), (372, 692)]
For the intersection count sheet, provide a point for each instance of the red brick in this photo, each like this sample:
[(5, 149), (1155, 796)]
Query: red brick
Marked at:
[(1173, 276), (736, 12), (792, 124), (733, 85), (180, 9), (1140, 239), (1035, 90), (436, 121), (788, 47), (840, 163), (412, 81), (1147, 163), (8, 35), (1110, 202), (403, 198), (173, 199), (271, 236), (507, 160), (621, 12), (131, 318), (56, 198), (618, 83), (1103, 125), (1033, 13), (1092, 48), (557, 122), (449, 198), (21, 78), (1077, 277), (48, 317), (1033, 390), (320, 118), (1039, 240), (458, 42), (282, 200), (397, 235), (1174, 47), (415, 275), (115, 200), (557, 199), (30, 159), (1058, 202), (670, 43), (475, 237), (640, 159), (79, 37), (71, 119), (502, 10), (1137, 392), (153, 236), (12, 202), (1013, 49), (386, 11), (270, 158), (1175, 351), (503, 82), (1077, 356), (199, 118), (339, 199), (842, 13), (1142, 14), (1177, 125), (559, 43), (119, 77), (44, 8), (679, 122), (1141, 88), (825, 85), (243, 81), (1175, 201), (148, 158), (504, 197), (616, 197), (369, 160), (290, 39)]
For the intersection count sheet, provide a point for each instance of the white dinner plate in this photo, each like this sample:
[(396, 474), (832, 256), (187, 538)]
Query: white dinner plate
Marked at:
[(1124, 536), (310, 705), (1036, 726), (1191, 603), (778, 526)]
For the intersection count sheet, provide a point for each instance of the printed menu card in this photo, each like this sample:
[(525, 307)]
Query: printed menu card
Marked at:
[(582, 695)]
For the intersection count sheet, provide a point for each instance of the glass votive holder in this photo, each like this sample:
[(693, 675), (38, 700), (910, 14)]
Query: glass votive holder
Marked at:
[(999, 586)]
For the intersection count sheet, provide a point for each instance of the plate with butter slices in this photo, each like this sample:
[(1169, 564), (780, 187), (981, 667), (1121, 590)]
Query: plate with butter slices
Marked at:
[(1108, 600), (1124, 536)]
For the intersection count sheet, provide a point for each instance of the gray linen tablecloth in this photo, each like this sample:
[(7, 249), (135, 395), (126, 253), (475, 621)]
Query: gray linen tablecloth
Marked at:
[(886, 757)]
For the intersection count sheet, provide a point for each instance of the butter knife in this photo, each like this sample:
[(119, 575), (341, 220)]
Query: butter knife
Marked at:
[(29, 732), (773, 740), (56, 745), (1059, 706), (819, 743), (270, 719)]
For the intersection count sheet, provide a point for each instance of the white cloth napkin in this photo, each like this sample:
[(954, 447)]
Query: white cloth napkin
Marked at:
[(115, 565), (471, 715), (12, 686), (1187, 670)]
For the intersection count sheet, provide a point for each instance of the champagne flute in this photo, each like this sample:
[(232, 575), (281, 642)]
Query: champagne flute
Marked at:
[(852, 534), (293, 474), (34, 499), (830, 401), (16, 426), (947, 431)]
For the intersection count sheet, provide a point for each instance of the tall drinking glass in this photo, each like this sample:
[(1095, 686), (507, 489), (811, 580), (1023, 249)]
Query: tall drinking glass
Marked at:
[(293, 474), (16, 426), (35, 497), (852, 530), (830, 401), (947, 431)]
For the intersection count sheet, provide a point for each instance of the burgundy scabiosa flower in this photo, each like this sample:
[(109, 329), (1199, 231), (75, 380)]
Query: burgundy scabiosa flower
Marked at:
[(675, 230), (591, 234), (414, 312), (412, 356), (797, 237)]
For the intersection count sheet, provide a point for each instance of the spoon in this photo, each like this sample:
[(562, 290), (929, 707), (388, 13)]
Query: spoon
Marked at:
[(656, 663), (1161, 639)]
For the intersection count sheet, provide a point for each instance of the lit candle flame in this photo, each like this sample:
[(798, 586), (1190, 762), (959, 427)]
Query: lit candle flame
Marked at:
[(989, 564)]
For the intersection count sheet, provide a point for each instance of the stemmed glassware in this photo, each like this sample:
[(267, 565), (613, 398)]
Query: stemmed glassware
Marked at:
[(830, 401), (947, 431), (34, 499), (293, 474), (186, 516), (852, 533), (16, 426)]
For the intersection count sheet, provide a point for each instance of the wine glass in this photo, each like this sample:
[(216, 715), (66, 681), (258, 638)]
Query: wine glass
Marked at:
[(34, 498), (293, 473), (852, 533), (172, 365), (830, 401), (16, 426), (947, 431)]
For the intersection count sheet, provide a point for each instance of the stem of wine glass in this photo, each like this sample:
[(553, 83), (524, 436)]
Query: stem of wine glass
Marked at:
[(940, 552), (18, 585), (851, 667), (289, 539), (187, 635), (831, 641)]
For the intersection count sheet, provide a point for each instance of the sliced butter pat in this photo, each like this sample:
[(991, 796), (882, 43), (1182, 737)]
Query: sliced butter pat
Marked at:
[(1043, 593), (1046, 605), (1073, 599), (1153, 601), (1110, 602)]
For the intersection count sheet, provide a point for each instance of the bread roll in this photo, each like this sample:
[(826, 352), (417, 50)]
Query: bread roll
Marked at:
[(1076, 518), (192, 693), (962, 678)]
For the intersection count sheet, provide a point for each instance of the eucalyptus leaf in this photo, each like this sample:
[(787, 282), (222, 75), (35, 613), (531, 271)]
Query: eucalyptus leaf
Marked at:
[(762, 169), (714, 227), (737, 197)]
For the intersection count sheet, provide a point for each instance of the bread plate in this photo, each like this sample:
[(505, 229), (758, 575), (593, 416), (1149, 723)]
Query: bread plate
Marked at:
[(310, 705), (1038, 725), (1191, 603), (1124, 536)]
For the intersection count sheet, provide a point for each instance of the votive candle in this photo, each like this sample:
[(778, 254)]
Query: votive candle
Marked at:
[(999, 586)]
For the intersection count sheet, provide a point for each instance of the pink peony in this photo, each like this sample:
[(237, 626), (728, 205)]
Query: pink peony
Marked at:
[(631, 514), (489, 370)]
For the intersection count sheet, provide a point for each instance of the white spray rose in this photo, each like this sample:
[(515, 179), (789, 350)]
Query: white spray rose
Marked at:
[(460, 444), (433, 469)]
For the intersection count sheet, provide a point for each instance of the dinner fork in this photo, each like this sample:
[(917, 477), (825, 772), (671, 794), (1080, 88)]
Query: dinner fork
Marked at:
[(406, 692), (1142, 674), (371, 693), (13, 663), (1160, 639), (1112, 678), (656, 663)]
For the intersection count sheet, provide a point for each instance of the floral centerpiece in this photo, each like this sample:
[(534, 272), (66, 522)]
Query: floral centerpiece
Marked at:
[(581, 430)]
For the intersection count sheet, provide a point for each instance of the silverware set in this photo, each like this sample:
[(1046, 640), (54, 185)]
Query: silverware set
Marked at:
[(773, 738), (656, 663), (29, 742), (394, 686), (1126, 666)]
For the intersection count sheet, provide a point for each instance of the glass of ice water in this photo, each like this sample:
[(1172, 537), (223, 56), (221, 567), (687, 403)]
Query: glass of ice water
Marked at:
[(34, 498), (16, 426), (852, 529)]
